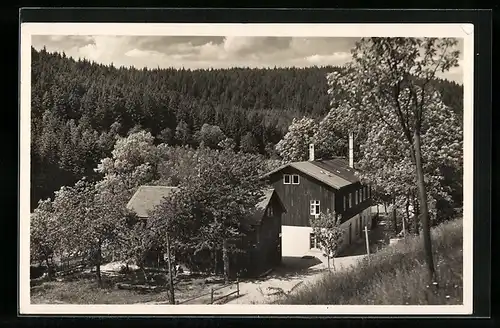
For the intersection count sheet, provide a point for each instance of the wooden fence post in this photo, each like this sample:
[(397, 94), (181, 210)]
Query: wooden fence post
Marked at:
[(237, 287), (212, 295), (367, 241)]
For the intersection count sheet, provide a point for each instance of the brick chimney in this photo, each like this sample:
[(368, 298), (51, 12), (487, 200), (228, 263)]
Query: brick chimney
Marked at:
[(351, 150), (311, 152)]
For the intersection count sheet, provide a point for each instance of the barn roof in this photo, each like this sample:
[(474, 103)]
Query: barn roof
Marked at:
[(147, 197), (262, 205), (334, 172)]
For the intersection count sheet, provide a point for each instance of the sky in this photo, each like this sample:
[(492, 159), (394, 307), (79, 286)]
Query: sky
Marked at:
[(196, 52)]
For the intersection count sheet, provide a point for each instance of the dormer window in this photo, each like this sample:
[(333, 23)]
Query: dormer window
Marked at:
[(291, 179)]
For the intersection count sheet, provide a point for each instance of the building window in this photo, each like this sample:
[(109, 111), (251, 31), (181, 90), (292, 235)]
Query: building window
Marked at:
[(313, 242), (363, 194), (269, 211), (315, 209), (350, 196), (295, 179), (287, 179), (356, 200), (346, 203), (369, 191)]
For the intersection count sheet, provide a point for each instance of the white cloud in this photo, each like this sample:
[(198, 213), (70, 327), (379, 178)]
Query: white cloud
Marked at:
[(336, 59), (203, 52)]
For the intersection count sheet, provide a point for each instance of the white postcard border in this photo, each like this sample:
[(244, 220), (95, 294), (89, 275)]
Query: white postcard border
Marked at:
[(465, 31)]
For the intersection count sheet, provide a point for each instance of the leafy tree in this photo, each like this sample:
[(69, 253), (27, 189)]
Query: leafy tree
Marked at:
[(227, 143), (134, 241), (328, 233), (248, 143), (208, 208), (166, 136), (210, 135), (295, 144), (87, 221), (44, 235), (183, 133), (331, 137), (133, 163), (176, 164), (389, 82)]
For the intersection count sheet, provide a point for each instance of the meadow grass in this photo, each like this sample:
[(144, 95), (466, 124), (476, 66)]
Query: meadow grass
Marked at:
[(395, 275), (84, 290)]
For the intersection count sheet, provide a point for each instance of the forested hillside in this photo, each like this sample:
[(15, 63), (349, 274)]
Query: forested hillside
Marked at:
[(79, 107)]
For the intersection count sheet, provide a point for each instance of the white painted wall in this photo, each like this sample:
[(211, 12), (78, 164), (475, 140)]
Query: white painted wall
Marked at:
[(295, 240)]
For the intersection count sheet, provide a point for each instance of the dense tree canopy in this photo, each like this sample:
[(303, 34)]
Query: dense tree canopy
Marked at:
[(79, 108)]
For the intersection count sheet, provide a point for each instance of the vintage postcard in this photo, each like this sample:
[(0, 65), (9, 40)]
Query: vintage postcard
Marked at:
[(209, 169)]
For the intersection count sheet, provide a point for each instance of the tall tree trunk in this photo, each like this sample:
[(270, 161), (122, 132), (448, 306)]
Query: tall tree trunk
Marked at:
[(328, 259), (98, 265), (394, 217), (416, 216), (225, 257), (49, 269), (407, 209), (170, 273), (426, 233), (215, 261)]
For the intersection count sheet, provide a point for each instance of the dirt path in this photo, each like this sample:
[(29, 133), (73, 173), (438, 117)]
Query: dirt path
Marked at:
[(267, 290)]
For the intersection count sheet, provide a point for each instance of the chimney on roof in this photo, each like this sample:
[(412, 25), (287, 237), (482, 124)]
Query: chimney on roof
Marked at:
[(311, 152), (351, 150)]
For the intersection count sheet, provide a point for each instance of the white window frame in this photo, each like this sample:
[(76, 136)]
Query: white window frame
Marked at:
[(298, 179), (289, 179), (313, 206)]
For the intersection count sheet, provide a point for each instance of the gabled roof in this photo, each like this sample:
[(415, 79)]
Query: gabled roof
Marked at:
[(262, 205), (147, 197), (339, 166), (335, 172)]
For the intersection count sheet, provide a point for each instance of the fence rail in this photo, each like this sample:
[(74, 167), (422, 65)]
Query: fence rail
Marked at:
[(214, 298)]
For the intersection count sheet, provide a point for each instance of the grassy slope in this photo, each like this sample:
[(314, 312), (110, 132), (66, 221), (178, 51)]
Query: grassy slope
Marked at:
[(395, 276)]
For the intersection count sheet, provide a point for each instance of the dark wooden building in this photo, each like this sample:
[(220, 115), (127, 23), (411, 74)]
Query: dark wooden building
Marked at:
[(309, 188)]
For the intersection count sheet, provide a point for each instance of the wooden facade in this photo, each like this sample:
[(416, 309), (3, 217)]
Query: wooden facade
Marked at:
[(299, 197), (296, 197), (264, 240)]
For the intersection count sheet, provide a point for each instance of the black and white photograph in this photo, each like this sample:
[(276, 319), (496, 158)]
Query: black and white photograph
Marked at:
[(246, 168)]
